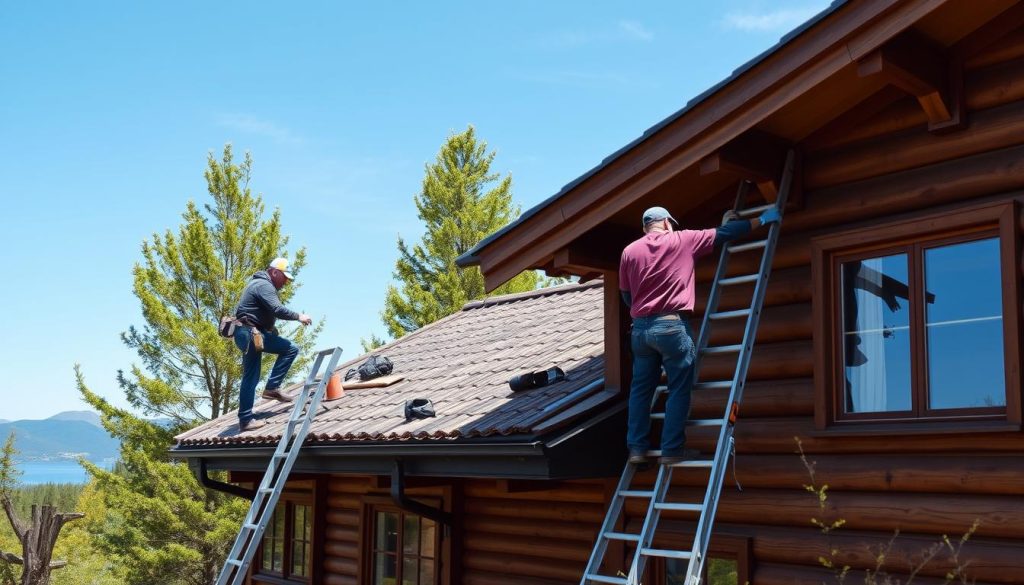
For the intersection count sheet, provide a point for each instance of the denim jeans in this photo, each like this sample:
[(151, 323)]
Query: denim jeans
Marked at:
[(252, 360), (661, 341)]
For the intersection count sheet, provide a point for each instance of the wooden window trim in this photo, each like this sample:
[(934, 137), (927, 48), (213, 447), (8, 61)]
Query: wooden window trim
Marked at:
[(367, 520), (924, 231), (739, 548), (291, 496)]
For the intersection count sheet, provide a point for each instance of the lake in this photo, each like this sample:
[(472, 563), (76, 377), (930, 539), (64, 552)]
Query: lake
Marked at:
[(61, 471)]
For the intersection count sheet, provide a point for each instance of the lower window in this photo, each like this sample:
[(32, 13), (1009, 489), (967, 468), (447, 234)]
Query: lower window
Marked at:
[(717, 571), (404, 548), (287, 548)]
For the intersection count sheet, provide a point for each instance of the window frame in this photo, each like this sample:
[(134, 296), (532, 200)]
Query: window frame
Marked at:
[(374, 504), (913, 237), (291, 497), (733, 547)]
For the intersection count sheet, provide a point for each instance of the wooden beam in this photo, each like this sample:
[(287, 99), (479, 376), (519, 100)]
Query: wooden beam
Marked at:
[(617, 363), (914, 64), (755, 156), (581, 260)]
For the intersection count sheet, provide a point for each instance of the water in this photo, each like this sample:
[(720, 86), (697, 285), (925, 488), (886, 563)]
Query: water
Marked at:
[(62, 471)]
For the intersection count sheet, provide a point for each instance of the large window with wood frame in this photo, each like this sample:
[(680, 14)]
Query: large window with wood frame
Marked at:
[(286, 551), (918, 320), (728, 563), (404, 547)]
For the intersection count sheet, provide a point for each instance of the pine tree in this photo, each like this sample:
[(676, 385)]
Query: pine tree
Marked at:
[(461, 202), (161, 526)]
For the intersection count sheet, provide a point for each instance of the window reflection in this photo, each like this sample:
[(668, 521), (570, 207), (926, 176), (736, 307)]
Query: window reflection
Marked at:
[(965, 326), (876, 334)]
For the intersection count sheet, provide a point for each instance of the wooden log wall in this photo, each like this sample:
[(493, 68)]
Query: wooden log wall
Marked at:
[(923, 485)]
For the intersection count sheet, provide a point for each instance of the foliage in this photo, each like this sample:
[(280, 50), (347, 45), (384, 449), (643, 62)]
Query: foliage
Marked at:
[(8, 472), (160, 525), (372, 343), (460, 203), (878, 575)]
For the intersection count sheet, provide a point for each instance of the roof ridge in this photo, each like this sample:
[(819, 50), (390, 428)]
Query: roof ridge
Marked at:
[(530, 294)]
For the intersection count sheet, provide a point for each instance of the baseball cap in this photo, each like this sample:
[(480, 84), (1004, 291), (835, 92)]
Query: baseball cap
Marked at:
[(282, 265), (657, 214)]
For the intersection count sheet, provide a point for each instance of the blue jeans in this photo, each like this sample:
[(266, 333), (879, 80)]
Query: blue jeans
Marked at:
[(252, 360), (661, 341)]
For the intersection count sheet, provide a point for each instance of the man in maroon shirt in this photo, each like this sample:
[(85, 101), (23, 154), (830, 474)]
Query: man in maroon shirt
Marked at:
[(656, 279)]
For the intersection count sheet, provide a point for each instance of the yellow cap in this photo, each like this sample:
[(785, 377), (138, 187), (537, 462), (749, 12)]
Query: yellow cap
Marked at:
[(282, 265)]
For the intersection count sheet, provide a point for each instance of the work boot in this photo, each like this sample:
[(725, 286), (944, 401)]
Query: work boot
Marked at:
[(275, 394), (688, 455), (638, 457), (251, 425)]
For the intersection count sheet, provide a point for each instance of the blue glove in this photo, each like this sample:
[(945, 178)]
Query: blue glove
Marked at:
[(770, 215)]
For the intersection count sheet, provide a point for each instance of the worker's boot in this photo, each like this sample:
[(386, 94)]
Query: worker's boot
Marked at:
[(251, 425), (275, 394)]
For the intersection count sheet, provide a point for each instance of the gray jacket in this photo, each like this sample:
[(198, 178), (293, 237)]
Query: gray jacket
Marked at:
[(260, 305)]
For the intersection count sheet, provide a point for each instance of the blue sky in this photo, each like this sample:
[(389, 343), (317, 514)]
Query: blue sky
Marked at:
[(108, 111)]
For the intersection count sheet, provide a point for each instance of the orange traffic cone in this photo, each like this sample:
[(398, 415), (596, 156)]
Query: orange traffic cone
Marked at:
[(335, 390)]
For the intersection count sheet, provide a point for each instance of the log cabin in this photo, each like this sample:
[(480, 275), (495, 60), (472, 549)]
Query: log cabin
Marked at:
[(889, 348)]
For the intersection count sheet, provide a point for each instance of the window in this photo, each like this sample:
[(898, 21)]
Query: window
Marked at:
[(404, 548), (728, 563), (286, 551), (919, 320), (717, 571)]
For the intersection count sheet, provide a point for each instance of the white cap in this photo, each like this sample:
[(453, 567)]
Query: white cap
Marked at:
[(282, 265)]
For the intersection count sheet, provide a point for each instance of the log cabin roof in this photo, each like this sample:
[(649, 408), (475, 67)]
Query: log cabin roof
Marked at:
[(812, 81), (462, 363)]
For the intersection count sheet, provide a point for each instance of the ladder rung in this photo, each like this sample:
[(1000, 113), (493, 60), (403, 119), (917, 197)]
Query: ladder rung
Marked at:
[(661, 389), (266, 490), (713, 385), (680, 507), (706, 463), (622, 536), (752, 211), (234, 563), (606, 579), (705, 422), (657, 416), (724, 349), (756, 244), (668, 554), (730, 314), (636, 493), (250, 526), (280, 455), (738, 279)]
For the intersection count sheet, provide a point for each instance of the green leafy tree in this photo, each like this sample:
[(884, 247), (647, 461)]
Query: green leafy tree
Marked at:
[(461, 202), (160, 525)]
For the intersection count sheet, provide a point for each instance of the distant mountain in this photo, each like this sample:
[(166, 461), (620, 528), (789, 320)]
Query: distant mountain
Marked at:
[(82, 415), (57, 438)]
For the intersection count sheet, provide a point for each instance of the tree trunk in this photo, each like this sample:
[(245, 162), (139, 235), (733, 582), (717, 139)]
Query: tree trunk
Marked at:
[(37, 541)]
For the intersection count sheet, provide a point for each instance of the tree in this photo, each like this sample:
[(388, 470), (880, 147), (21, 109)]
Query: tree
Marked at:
[(161, 526), (38, 536), (460, 203)]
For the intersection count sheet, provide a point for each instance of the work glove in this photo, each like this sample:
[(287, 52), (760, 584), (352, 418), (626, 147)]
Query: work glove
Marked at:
[(770, 215)]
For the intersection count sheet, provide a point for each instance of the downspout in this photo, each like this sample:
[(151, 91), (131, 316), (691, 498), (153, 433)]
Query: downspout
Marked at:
[(404, 502), (228, 488)]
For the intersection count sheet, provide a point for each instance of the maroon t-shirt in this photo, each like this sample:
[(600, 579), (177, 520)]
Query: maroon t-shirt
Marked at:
[(657, 270)]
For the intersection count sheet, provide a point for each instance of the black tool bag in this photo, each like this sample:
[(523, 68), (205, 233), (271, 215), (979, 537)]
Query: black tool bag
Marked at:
[(374, 367)]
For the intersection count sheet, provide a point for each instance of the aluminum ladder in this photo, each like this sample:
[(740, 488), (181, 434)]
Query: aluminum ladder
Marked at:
[(265, 500), (657, 496)]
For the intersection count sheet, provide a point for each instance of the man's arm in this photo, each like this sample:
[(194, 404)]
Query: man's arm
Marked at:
[(269, 299), (627, 298), (737, 228)]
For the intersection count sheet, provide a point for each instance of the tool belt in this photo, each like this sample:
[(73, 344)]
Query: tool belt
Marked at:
[(228, 324)]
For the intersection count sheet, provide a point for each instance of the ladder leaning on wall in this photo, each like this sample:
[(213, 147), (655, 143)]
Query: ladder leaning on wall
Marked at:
[(657, 497), (269, 492)]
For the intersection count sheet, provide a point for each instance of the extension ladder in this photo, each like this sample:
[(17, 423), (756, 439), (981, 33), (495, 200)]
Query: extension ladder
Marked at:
[(281, 462), (657, 496)]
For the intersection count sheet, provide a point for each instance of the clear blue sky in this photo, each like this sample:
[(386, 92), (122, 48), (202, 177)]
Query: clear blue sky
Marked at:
[(108, 110)]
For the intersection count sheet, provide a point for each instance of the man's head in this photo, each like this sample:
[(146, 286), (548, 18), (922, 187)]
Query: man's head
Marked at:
[(278, 271), (658, 219)]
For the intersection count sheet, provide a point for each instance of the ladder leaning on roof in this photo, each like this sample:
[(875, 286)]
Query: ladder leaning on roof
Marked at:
[(643, 541), (281, 462)]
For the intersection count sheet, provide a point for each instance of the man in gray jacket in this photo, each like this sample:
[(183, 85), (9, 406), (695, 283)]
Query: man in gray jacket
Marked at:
[(258, 309)]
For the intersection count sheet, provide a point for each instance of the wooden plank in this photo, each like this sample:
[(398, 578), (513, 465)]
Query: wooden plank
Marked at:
[(375, 383), (990, 130), (761, 398), (916, 65), (617, 368)]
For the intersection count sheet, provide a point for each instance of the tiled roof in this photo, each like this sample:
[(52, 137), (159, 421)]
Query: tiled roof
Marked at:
[(462, 363)]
